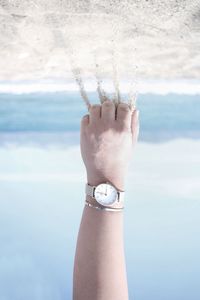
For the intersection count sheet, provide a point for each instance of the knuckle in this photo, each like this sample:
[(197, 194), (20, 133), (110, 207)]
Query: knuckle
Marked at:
[(84, 118), (124, 107), (95, 106), (123, 124), (126, 126), (108, 103)]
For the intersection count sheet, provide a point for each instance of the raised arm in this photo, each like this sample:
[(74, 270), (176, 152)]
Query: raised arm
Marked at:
[(107, 139)]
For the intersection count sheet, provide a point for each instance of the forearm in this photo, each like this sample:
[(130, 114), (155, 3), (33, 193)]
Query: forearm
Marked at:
[(107, 138), (99, 269)]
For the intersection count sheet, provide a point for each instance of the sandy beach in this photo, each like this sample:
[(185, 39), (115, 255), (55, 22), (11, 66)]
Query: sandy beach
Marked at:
[(134, 39)]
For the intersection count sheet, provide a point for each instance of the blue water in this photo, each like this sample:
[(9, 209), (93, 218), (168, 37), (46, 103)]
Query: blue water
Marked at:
[(161, 117)]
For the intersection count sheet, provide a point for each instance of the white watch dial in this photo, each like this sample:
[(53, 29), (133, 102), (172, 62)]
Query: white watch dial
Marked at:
[(105, 194)]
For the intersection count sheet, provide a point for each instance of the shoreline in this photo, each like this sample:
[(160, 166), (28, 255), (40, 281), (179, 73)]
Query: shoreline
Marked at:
[(156, 86)]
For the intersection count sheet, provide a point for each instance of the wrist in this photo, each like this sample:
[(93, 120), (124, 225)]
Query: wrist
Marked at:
[(116, 181)]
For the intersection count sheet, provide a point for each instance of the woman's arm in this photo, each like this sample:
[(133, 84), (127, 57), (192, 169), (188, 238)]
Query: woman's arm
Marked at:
[(107, 138), (99, 271)]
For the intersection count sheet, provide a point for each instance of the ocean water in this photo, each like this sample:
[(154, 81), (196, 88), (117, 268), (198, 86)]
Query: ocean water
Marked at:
[(162, 117), (42, 181)]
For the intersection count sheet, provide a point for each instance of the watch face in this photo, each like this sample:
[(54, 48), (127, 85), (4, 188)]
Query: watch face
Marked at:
[(105, 194)]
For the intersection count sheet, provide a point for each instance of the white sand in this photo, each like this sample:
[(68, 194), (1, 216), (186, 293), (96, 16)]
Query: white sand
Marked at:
[(143, 39)]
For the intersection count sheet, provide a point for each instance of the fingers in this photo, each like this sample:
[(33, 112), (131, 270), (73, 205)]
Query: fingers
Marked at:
[(84, 121), (124, 115), (135, 125), (95, 113), (108, 111), (125, 118)]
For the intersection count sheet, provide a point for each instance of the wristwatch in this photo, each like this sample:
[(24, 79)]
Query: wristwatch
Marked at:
[(105, 196)]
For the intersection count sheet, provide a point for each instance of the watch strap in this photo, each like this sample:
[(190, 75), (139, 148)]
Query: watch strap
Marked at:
[(89, 190)]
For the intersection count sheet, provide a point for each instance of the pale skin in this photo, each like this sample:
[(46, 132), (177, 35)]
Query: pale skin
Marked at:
[(108, 136)]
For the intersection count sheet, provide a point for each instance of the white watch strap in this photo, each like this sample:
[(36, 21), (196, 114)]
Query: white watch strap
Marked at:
[(89, 190)]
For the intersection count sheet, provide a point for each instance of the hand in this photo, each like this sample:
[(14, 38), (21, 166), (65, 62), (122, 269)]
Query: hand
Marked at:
[(107, 139)]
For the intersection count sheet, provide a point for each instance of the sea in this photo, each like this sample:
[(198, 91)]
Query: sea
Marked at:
[(42, 180)]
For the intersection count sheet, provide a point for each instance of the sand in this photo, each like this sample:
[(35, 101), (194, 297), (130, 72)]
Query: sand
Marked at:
[(104, 39)]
